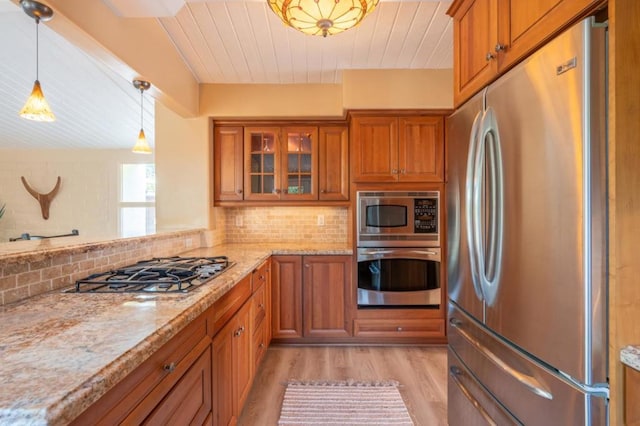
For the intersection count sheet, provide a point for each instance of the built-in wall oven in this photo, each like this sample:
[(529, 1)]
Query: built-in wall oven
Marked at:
[(398, 254)]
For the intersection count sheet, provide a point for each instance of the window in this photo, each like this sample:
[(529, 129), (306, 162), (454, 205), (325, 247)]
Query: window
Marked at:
[(137, 205)]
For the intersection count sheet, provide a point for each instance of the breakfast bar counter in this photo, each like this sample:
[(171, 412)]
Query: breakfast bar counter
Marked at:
[(62, 351)]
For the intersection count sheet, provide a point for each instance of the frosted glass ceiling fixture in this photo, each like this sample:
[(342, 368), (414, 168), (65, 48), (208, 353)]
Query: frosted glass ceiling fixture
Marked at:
[(322, 17), (141, 146), (37, 108)]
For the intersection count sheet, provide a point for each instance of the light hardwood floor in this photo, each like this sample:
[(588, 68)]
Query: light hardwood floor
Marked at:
[(421, 371)]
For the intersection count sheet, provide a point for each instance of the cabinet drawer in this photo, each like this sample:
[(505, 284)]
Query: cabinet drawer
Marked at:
[(258, 308), (189, 401), (259, 346), (228, 305), (399, 328), (259, 276)]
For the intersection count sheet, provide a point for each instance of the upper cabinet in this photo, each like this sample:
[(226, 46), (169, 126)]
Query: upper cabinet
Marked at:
[(490, 36), (288, 163), (397, 148)]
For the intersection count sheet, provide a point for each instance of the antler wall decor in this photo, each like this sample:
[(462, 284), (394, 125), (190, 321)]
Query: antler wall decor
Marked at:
[(43, 199)]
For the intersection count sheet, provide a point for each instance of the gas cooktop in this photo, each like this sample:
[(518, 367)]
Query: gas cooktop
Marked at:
[(157, 275)]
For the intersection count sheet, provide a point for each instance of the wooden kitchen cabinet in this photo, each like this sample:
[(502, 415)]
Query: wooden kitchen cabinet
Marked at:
[(260, 313), (282, 162), (333, 163), (326, 296), (228, 171), (388, 148), (491, 36), (475, 30), (178, 375), (286, 299), (311, 297), (232, 367)]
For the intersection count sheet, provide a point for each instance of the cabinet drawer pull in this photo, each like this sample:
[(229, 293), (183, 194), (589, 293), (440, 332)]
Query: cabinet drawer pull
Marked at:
[(169, 368), (399, 328)]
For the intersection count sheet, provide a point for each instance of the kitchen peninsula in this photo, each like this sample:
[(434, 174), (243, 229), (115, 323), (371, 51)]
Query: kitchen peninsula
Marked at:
[(62, 352)]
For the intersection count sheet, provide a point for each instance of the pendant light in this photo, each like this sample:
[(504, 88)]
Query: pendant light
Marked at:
[(141, 146), (37, 108)]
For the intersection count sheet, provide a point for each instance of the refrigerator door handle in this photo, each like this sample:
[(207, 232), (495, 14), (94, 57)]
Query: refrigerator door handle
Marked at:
[(470, 196), (455, 372), (530, 382), (488, 166)]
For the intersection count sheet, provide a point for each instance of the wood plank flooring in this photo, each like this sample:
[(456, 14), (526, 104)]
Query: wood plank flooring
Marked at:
[(422, 372)]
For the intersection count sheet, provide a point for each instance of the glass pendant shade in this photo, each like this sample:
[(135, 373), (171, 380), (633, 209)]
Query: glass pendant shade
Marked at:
[(37, 108), (141, 146), (322, 17)]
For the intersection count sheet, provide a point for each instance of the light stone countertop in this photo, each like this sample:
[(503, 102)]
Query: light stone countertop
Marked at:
[(60, 352), (630, 356)]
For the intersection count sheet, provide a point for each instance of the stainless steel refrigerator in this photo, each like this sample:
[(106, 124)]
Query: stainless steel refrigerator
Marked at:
[(527, 241)]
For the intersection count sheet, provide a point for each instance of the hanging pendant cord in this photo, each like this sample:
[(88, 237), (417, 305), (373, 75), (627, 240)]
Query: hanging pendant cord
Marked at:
[(37, 48), (141, 109)]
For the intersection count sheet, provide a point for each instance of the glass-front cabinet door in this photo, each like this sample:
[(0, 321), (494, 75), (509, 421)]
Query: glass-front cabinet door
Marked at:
[(299, 163), (262, 155)]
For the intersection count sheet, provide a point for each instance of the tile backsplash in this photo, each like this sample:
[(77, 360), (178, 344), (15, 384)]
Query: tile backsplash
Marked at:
[(288, 225)]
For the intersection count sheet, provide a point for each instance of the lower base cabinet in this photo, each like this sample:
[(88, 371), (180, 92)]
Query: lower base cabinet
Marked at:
[(176, 377), (311, 298), (203, 375), (232, 368)]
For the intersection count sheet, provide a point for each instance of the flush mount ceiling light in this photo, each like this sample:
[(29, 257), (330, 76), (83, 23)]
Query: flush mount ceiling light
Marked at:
[(141, 146), (322, 17), (37, 108)]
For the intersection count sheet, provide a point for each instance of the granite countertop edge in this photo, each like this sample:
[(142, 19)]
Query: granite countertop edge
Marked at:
[(64, 404), (630, 356)]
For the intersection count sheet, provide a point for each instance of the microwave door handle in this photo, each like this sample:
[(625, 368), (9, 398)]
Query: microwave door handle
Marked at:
[(470, 201)]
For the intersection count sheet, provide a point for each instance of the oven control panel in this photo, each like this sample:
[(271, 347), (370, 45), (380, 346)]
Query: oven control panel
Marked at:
[(425, 215)]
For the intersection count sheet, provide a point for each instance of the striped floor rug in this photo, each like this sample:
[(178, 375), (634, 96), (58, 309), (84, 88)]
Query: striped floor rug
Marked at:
[(343, 403)]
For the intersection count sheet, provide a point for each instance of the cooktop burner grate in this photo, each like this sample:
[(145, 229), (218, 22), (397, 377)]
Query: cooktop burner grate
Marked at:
[(157, 275)]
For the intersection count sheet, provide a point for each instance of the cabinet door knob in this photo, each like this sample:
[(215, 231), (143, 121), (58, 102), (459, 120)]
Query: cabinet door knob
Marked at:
[(306, 265), (276, 191), (500, 47), (394, 171), (399, 329), (403, 171), (239, 191), (322, 191), (261, 306), (489, 56), (169, 368)]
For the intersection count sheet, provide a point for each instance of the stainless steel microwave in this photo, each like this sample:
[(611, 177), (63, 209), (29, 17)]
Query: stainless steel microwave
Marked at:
[(398, 218)]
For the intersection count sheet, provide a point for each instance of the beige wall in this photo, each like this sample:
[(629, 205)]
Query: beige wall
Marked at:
[(87, 198), (183, 164), (360, 89), (397, 89)]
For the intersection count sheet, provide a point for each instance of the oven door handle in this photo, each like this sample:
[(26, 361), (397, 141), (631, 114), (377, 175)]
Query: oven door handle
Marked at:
[(399, 253)]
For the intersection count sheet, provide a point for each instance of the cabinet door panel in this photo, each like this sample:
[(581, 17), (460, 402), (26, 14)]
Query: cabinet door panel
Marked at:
[(299, 163), (333, 156), (228, 164), (223, 413), (374, 149), (421, 150), (262, 163), (525, 25), (327, 296), (242, 364), (286, 300), (189, 402), (475, 30)]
